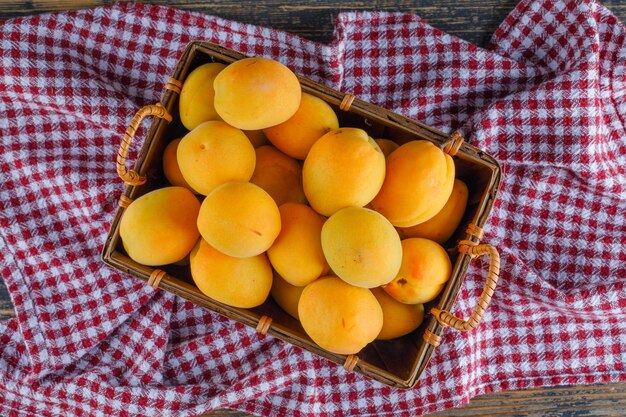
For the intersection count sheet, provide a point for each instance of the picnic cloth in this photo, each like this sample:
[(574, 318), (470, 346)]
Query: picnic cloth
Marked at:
[(546, 98)]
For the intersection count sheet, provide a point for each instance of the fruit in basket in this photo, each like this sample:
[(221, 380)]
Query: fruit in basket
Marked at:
[(297, 253), (361, 247), (159, 227), (344, 168), (418, 183), (425, 269), (339, 317), (196, 97), (279, 175), (441, 227), (387, 146), (239, 219), (312, 120), (214, 153), (286, 295), (398, 318), (256, 93), (170, 165), (238, 282)]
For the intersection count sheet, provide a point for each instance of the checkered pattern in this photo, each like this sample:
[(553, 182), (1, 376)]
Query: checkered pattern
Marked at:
[(547, 98)]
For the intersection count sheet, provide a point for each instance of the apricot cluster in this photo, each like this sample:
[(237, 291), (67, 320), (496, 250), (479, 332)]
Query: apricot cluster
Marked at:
[(269, 194)]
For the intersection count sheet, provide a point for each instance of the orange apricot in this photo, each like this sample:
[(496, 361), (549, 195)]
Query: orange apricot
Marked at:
[(256, 93), (239, 219), (159, 227), (295, 136)]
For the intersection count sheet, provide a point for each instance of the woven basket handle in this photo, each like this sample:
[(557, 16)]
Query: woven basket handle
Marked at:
[(131, 177), (474, 250)]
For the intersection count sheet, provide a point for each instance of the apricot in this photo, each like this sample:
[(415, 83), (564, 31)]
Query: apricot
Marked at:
[(313, 119), (361, 247), (297, 251), (398, 318), (418, 182), (425, 269), (214, 153), (239, 219), (387, 146), (170, 165), (441, 227), (279, 175), (339, 317), (196, 97), (256, 93), (257, 137), (344, 168), (237, 282), (286, 295), (159, 227)]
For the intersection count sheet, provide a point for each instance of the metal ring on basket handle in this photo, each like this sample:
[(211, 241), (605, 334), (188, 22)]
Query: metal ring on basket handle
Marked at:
[(474, 250), (130, 176)]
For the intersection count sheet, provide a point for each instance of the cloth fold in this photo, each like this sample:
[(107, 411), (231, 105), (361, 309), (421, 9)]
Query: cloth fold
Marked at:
[(546, 98)]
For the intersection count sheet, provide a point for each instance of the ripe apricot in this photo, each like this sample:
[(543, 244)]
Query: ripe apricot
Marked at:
[(295, 136), (279, 175), (361, 247), (214, 153), (196, 97), (237, 282), (286, 295), (239, 219), (297, 251), (387, 146), (339, 317), (159, 227), (425, 269), (256, 93), (441, 227), (418, 182), (398, 318), (170, 165), (344, 168)]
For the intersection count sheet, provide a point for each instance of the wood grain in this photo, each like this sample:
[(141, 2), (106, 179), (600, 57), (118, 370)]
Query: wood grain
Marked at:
[(474, 21), (470, 20)]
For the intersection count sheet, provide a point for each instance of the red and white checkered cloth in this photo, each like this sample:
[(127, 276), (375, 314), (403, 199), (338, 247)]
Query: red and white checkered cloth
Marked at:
[(547, 98)]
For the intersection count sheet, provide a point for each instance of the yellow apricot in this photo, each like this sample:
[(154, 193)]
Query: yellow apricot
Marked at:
[(237, 282), (418, 182), (313, 120), (159, 227), (441, 227), (387, 146), (239, 219), (196, 97), (279, 175), (339, 317), (170, 165), (286, 295), (214, 153), (344, 168), (361, 247), (256, 93), (425, 269), (398, 318), (297, 251), (257, 137)]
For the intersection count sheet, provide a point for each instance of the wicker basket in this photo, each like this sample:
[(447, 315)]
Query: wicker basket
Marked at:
[(398, 362)]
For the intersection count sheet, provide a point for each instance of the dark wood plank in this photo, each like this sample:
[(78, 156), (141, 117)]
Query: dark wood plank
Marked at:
[(6, 307), (473, 21)]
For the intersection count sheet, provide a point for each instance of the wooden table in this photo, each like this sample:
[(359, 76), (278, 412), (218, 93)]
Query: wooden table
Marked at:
[(472, 20)]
